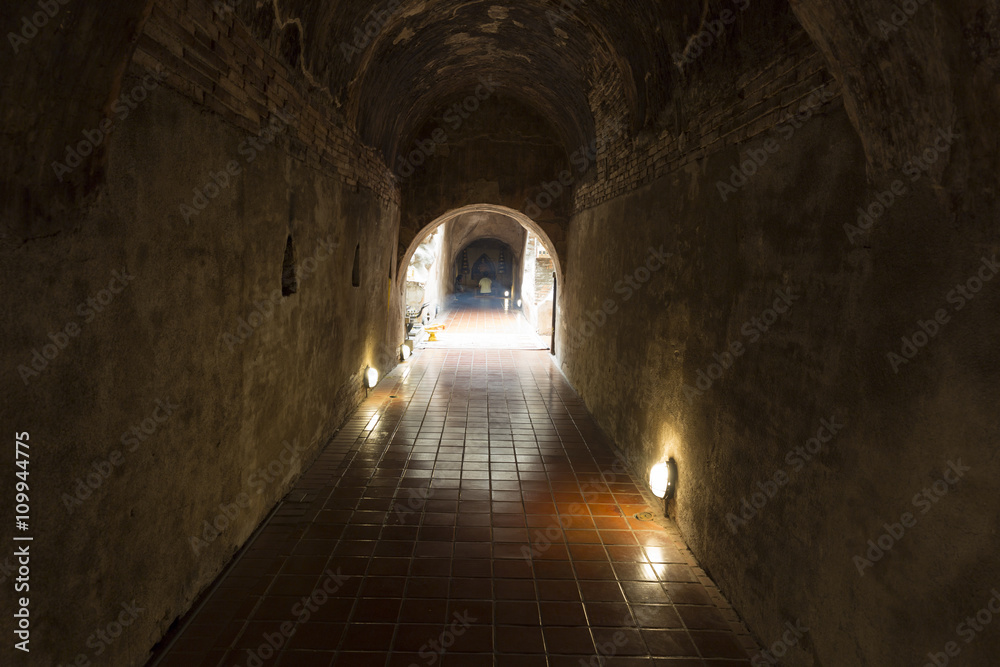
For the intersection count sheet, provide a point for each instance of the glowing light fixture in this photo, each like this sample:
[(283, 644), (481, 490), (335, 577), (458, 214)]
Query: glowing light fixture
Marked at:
[(371, 377), (506, 292), (518, 303), (663, 479), (404, 351)]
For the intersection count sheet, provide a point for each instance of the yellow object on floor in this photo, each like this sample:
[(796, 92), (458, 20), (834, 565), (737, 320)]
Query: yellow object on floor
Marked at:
[(433, 330)]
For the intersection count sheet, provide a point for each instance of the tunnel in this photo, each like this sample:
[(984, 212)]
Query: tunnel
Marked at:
[(461, 333)]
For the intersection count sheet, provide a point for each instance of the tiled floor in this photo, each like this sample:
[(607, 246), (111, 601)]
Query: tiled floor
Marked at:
[(468, 514), (478, 322)]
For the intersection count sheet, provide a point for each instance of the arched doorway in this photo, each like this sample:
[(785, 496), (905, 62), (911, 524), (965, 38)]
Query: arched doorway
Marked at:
[(470, 243), (513, 214)]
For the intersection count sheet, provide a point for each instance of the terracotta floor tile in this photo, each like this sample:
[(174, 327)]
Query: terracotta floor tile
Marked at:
[(376, 610), (518, 639), (576, 641), (702, 618), (669, 643), (549, 589), (317, 637), (370, 637), (414, 637), (643, 592), (517, 612), (609, 615), (306, 658), (614, 642), (423, 611), (476, 612), (656, 616), (514, 589), (360, 659), (563, 613), (688, 594), (717, 644)]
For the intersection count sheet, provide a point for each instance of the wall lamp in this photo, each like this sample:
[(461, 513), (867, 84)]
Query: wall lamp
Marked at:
[(371, 377), (405, 351), (663, 479)]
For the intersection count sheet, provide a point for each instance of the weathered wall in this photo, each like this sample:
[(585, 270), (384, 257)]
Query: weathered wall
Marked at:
[(188, 390), (735, 430), (536, 293)]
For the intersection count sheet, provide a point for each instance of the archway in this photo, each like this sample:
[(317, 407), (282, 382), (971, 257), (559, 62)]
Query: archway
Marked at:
[(478, 240), (513, 214)]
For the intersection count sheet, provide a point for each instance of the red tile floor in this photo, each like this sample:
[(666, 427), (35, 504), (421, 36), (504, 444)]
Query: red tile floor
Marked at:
[(467, 514)]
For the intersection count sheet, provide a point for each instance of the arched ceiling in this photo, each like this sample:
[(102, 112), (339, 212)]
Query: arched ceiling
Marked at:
[(390, 65)]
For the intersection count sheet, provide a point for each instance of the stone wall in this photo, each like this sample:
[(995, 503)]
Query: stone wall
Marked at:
[(212, 58), (752, 103), (537, 286)]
